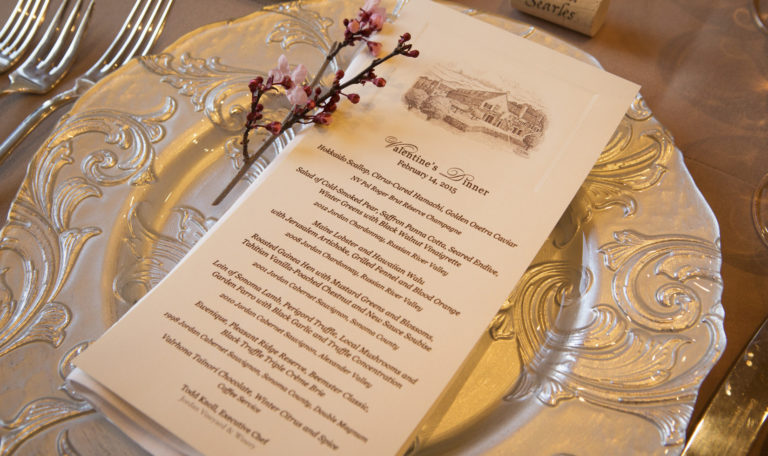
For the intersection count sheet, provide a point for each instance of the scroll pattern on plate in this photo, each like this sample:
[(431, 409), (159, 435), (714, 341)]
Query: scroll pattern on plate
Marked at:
[(627, 356), (623, 355), (41, 247), (39, 243)]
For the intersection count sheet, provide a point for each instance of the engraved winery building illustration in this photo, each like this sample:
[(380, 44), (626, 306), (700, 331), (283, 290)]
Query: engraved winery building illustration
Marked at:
[(467, 109)]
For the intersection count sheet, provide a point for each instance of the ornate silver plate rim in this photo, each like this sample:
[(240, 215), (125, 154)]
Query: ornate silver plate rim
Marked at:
[(604, 341)]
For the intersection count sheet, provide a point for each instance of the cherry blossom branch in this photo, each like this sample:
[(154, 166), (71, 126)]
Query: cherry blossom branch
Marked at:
[(309, 103)]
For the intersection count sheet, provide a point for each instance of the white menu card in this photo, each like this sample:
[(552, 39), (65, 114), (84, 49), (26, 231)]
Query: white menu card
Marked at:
[(330, 307)]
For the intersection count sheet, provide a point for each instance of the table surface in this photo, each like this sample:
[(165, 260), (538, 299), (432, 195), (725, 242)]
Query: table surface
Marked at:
[(703, 68)]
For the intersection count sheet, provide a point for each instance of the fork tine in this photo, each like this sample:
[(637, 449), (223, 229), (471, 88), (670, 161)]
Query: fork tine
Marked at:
[(118, 53), (101, 65), (26, 17), (12, 19), (30, 20), (135, 28), (19, 30), (48, 35), (64, 32), (153, 25), (157, 29), (18, 19), (69, 55)]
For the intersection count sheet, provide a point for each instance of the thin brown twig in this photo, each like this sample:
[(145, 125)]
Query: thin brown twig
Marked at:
[(295, 115)]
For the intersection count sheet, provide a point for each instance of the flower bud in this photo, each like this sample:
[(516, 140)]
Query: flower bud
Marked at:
[(323, 118), (274, 127), (353, 26)]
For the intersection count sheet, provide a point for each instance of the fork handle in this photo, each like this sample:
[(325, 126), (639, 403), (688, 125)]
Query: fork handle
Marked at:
[(41, 113)]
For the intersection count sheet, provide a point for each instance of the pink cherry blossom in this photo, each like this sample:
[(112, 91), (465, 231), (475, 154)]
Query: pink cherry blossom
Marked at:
[(299, 74), (297, 95), (281, 72), (376, 14), (377, 19), (374, 47)]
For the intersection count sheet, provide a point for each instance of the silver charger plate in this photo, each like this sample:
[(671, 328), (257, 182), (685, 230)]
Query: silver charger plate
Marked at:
[(600, 348)]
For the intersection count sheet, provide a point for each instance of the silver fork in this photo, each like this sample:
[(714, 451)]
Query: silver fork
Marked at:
[(18, 31), (53, 55), (138, 33)]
